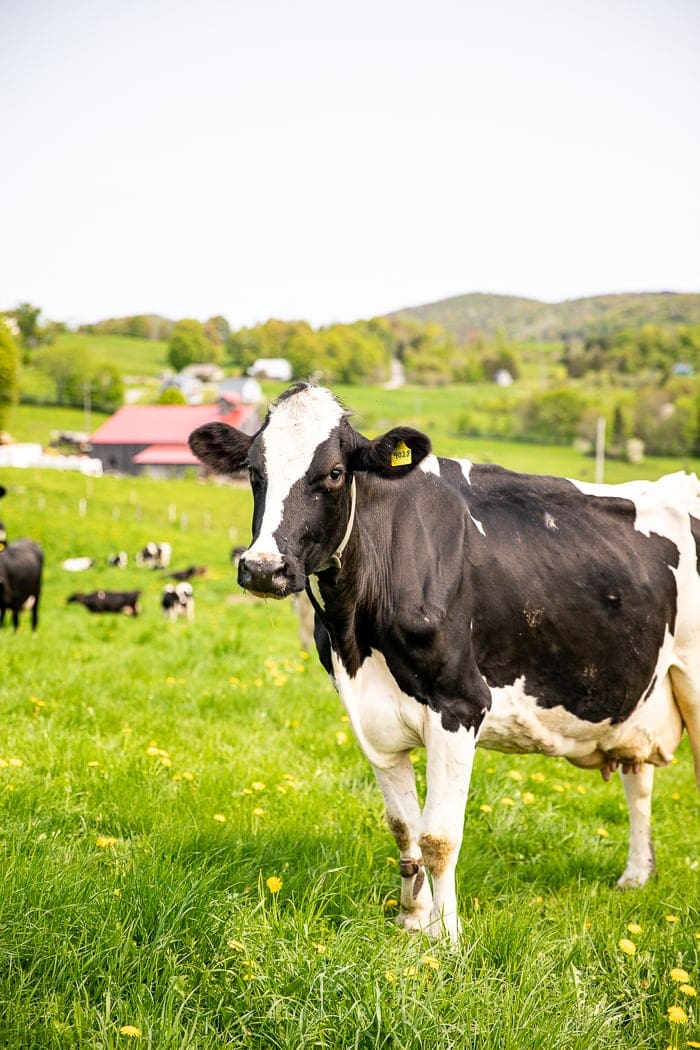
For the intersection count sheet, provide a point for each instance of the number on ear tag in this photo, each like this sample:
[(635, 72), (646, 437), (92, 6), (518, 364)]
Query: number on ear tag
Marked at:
[(401, 455)]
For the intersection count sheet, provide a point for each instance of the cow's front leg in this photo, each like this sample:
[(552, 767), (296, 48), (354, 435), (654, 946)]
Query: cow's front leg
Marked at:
[(450, 757), (640, 858), (398, 786)]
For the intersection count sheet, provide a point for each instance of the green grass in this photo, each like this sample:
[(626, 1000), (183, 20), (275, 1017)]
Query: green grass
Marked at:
[(125, 901), (133, 357)]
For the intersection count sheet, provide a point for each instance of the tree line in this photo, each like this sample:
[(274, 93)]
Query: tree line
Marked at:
[(653, 367)]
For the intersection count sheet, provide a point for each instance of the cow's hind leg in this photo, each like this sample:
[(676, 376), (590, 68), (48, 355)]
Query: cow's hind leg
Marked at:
[(640, 858), (398, 786)]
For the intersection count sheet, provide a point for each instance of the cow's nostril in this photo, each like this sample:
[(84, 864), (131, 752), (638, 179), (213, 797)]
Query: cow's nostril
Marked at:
[(264, 574)]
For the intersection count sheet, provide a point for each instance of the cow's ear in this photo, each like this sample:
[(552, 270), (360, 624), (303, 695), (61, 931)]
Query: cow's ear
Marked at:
[(220, 447), (392, 454)]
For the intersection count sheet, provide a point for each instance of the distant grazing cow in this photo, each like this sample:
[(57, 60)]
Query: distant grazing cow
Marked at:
[(189, 573), (177, 601), (460, 605), (77, 564), (21, 564), (126, 602), (154, 556), (120, 560)]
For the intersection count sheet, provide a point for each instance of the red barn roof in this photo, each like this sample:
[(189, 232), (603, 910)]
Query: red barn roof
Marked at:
[(163, 424)]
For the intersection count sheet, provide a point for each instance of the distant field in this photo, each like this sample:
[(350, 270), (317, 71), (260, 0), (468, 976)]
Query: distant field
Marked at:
[(134, 357), (432, 410)]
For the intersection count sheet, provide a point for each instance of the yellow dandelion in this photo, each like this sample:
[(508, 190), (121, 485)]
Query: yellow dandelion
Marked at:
[(389, 976), (691, 1042), (258, 682), (391, 860), (320, 948), (410, 971), (274, 884), (627, 946), (539, 778), (671, 918), (171, 680), (341, 737), (528, 798), (130, 1030), (16, 763), (603, 833), (93, 765), (390, 902), (676, 796), (105, 841), (220, 818), (581, 789), (678, 974), (485, 808), (677, 1015), (507, 802), (634, 927), (247, 791), (432, 961), (126, 730), (258, 811), (558, 787), (688, 989), (515, 774), (188, 774), (236, 945), (258, 785), (117, 892)]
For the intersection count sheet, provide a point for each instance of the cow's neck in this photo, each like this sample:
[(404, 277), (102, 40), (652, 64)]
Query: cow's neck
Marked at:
[(335, 562)]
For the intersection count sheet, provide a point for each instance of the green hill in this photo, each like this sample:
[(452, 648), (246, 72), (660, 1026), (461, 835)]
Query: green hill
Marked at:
[(524, 319)]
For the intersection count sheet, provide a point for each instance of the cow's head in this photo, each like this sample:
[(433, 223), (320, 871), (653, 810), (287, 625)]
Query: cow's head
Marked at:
[(301, 465)]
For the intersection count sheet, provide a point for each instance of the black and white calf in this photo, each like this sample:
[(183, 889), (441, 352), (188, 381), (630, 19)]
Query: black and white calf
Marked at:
[(178, 601), (154, 555), (126, 602), (459, 605)]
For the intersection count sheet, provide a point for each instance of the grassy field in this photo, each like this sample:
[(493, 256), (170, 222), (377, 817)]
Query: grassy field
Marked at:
[(193, 850)]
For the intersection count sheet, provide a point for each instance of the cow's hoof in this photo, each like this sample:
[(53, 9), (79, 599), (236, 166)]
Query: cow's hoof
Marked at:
[(634, 879), (413, 921)]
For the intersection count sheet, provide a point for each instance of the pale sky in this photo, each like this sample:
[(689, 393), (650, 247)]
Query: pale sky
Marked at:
[(331, 162)]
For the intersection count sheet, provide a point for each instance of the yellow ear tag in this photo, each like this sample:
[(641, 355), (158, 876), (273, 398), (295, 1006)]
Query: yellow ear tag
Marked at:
[(401, 455)]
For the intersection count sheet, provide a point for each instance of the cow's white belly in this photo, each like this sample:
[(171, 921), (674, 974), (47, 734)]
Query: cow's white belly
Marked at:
[(651, 734), (386, 721)]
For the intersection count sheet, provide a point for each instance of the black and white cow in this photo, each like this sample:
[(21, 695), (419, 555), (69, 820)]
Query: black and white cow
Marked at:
[(21, 566), (459, 605), (120, 560), (154, 555), (126, 602), (178, 601)]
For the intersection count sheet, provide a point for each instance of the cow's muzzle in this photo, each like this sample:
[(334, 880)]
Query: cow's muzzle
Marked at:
[(269, 575)]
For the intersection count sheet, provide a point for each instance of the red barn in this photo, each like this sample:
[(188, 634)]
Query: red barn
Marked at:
[(152, 439)]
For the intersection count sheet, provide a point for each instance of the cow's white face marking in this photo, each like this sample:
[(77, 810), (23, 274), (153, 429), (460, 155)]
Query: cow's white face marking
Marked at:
[(295, 429)]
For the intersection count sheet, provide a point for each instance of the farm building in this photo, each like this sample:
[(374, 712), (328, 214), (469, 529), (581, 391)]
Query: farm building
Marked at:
[(152, 439)]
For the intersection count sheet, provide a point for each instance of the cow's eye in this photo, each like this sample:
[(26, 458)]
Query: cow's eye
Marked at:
[(335, 477)]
